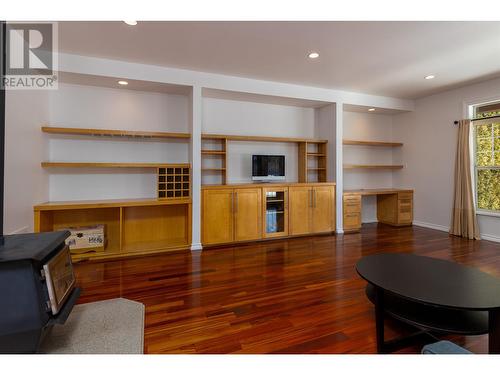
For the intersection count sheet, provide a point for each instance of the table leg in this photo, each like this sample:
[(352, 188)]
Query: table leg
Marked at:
[(494, 332), (379, 318)]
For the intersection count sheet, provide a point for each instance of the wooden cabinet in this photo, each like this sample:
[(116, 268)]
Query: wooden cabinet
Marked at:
[(275, 212), (395, 209), (352, 212), (253, 212), (217, 216), (131, 226), (247, 214), (230, 215), (300, 210), (312, 209)]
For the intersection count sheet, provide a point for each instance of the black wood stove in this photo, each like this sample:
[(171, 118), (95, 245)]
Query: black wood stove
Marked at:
[(37, 288)]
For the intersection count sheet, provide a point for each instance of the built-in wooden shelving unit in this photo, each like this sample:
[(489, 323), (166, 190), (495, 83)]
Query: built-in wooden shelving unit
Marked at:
[(313, 161), (214, 157), (312, 155), (114, 133), (132, 226), (371, 143), (371, 166)]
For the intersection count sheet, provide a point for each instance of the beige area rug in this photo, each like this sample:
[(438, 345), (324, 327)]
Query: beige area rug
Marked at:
[(114, 326)]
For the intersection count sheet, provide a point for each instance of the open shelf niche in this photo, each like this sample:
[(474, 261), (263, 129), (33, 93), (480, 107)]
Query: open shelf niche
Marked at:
[(313, 161), (214, 159), (161, 222)]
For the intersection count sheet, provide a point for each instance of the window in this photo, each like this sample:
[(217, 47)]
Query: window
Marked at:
[(487, 157)]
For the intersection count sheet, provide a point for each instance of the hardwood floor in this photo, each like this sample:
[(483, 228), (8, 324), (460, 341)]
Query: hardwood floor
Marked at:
[(300, 295)]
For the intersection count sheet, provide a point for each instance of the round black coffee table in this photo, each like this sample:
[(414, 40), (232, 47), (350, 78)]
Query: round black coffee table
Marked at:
[(433, 295)]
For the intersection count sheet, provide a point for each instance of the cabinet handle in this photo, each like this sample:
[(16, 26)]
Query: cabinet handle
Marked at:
[(232, 202), (314, 192), (286, 200), (235, 201), (310, 198)]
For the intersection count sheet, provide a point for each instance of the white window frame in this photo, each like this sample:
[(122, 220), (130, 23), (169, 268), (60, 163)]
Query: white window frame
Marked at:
[(472, 139)]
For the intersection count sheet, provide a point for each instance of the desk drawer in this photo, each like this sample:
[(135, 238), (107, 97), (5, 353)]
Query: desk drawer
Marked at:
[(405, 211), (405, 196), (352, 198), (352, 221), (352, 207)]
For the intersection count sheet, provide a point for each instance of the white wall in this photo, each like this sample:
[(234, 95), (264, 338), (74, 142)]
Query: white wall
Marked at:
[(26, 183), (429, 152), (248, 118), (368, 127), (82, 106)]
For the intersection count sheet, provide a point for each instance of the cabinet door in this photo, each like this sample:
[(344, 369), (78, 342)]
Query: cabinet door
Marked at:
[(275, 212), (247, 214), (300, 209), (217, 216), (322, 208)]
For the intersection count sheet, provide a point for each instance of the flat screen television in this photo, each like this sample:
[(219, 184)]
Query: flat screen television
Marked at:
[(268, 167)]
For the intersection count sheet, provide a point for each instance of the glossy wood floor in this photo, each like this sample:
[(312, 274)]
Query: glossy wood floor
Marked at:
[(288, 296)]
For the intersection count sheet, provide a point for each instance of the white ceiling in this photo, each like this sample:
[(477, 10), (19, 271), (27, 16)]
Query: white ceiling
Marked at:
[(383, 58)]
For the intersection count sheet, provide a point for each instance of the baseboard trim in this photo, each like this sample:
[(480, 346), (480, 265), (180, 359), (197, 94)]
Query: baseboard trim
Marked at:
[(490, 237), (487, 237), (431, 226), (19, 231), (196, 246)]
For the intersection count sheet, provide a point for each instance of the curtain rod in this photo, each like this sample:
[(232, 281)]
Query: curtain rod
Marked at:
[(482, 118)]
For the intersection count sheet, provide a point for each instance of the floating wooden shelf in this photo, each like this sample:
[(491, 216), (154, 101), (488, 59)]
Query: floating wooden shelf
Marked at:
[(59, 164), (252, 138), (213, 169), (213, 152), (113, 133), (315, 169), (316, 154), (367, 166), (371, 143)]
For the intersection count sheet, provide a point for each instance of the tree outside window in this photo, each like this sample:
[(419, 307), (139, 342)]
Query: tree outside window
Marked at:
[(487, 162)]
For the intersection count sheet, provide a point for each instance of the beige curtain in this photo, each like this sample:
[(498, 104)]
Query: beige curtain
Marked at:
[(463, 217)]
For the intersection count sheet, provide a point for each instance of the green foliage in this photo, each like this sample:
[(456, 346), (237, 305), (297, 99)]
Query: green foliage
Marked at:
[(488, 189), (488, 155)]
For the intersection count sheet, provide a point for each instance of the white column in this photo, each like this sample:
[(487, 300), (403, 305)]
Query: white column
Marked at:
[(339, 170), (195, 157)]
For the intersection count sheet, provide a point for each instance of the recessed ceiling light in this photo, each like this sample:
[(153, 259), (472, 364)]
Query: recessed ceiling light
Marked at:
[(313, 55), (131, 23), (430, 76), (371, 109), (123, 83)]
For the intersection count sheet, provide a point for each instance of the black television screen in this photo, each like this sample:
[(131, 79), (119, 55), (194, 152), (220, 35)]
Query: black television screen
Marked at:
[(268, 167)]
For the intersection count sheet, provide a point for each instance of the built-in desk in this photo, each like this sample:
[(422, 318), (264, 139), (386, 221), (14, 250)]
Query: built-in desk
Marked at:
[(394, 207)]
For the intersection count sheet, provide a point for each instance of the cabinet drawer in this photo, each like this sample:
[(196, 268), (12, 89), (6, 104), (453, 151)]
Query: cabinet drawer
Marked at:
[(352, 220), (352, 198), (405, 212), (352, 207), (405, 196)]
